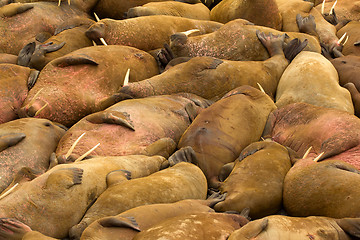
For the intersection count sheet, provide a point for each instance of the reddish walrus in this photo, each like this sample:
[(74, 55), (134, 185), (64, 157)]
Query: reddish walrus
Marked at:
[(256, 181), (147, 32), (182, 181), (15, 82), (196, 226), (26, 143), (85, 81), (126, 225), (219, 133), (57, 200), (301, 125), (278, 227), (84, 5), (21, 22), (133, 125)]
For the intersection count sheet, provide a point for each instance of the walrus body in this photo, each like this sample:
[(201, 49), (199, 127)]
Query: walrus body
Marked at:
[(352, 29), (182, 181), (197, 226), (257, 180), (311, 78), (55, 201), (278, 227), (135, 32), (79, 83), (20, 23), (344, 10), (218, 134), (26, 143), (8, 58)]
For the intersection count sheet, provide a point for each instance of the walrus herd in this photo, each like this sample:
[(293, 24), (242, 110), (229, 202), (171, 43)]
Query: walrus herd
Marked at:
[(179, 119)]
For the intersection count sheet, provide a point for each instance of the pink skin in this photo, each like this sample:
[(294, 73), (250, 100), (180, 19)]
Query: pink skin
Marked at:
[(12, 229)]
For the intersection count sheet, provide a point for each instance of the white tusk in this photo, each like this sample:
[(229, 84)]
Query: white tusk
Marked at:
[(323, 8), (69, 2), (332, 8), (35, 96), (127, 77), (87, 153), (59, 3), (307, 152), (342, 38), (94, 43), (103, 41), (347, 38), (187, 33), (262, 139), (73, 146), (261, 88), (8, 191), (38, 111), (318, 157), (96, 17)]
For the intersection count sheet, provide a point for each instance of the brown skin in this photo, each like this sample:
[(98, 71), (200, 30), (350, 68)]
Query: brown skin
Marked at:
[(84, 5), (257, 180), (278, 227), (319, 83), (217, 135), (8, 58), (235, 41), (344, 10), (182, 181), (26, 143), (135, 32), (172, 8), (259, 12), (352, 46), (144, 217), (301, 125), (26, 20), (15, 83), (37, 203), (152, 118), (85, 82), (200, 226)]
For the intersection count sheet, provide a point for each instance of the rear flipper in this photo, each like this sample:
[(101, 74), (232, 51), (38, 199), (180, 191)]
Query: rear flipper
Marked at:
[(12, 229), (163, 147), (307, 25), (111, 117), (185, 154), (164, 56), (11, 139), (293, 48), (273, 43), (350, 225), (124, 222), (355, 96)]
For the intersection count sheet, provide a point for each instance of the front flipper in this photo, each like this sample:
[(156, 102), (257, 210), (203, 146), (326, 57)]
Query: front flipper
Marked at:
[(350, 225), (307, 25), (111, 117), (66, 177), (14, 9), (33, 76), (12, 229), (337, 144), (117, 176), (124, 222), (10, 139), (163, 147), (74, 60), (273, 43), (294, 47), (355, 96), (25, 54), (185, 154), (225, 171), (251, 149), (252, 229), (109, 101)]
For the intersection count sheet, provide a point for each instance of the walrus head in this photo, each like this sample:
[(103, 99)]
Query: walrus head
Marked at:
[(96, 31)]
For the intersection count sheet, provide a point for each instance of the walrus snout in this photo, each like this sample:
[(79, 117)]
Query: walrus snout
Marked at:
[(32, 110), (96, 31), (132, 12)]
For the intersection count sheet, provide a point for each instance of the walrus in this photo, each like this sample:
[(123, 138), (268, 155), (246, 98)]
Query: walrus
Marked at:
[(284, 227), (136, 32), (199, 226), (259, 12), (21, 22), (8, 58), (302, 125), (182, 181), (85, 81), (219, 133), (172, 8), (47, 203), (256, 181), (83, 5), (343, 10), (15, 82), (127, 224), (311, 78), (352, 46), (26, 143)]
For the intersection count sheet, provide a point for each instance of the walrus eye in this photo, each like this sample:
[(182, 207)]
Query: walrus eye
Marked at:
[(47, 124)]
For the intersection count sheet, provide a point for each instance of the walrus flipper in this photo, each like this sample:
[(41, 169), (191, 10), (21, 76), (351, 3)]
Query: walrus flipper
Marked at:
[(12, 229), (346, 167), (33, 76), (128, 222), (25, 54), (225, 171), (250, 150), (11, 139), (66, 177), (109, 101), (111, 117), (50, 47), (294, 47), (74, 60), (253, 230), (355, 96), (117, 176), (272, 43), (307, 24), (185, 154), (163, 147), (14, 9), (350, 225), (357, 43)]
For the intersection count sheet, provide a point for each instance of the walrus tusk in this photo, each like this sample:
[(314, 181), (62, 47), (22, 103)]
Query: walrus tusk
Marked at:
[(318, 157), (35, 96), (342, 38), (69, 2), (87, 153), (73, 146), (59, 3), (323, 7), (42, 108), (187, 33), (103, 41), (332, 8), (347, 38), (261, 88), (96, 17), (307, 152), (127, 77), (94, 43), (8, 191)]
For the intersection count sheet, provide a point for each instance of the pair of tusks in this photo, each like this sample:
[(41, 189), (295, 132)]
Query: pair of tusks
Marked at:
[(98, 19), (33, 100), (342, 38), (73, 147), (60, 2), (315, 159), (331, 10)]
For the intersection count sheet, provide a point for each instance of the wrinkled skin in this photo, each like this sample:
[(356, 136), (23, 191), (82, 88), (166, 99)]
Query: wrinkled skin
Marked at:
[(301, 125), (257, 180), (352, 46), (15, 82), (218, 134), (26, 143), (17, 30), (319, 83), (200, 226), (182, 181), (278, 227), (151, 118), (259, 12), (55, 201), (82, 82), (135, 32)]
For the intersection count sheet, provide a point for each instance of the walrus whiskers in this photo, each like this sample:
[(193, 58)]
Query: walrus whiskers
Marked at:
[(342, 38), (307, 152), (318, 157), (8, 191), (187, 33), (101, 39), (261, 88), (33, 99), (332, 8), (127, 77), (42, 108), (87, 153), (73, 146), (323, 7)]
